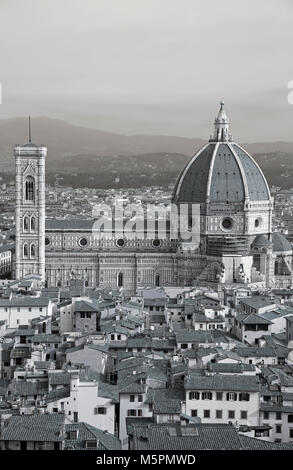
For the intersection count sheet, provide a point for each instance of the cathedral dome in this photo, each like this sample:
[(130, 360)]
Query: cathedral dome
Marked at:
[(261, 241), (221, 172), (280, 243)]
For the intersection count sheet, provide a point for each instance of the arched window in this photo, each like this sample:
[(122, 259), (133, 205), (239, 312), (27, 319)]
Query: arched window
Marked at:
[(25, 251), (25, 223), (256, 262), (157, 280), (33, 251), (30, 189), (277, 267), (33, 223), (120, 280)]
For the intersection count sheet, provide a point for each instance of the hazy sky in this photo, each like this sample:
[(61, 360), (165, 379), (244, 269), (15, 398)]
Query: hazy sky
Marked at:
[(150, 66)]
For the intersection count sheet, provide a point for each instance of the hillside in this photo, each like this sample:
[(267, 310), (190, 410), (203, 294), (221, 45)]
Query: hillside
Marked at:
[(89, 157)]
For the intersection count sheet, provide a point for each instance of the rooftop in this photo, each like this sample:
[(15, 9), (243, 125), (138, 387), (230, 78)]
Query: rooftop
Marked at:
[(44, 428), (245, 383)]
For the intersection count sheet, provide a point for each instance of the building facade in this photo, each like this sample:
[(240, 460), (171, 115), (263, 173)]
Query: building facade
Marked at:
[(236, 241)]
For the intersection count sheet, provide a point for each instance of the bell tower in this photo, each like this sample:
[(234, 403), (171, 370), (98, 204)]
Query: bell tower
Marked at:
[(30, 209)]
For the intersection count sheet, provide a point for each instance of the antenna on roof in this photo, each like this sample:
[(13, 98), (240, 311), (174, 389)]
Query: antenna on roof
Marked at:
[(29, 130)]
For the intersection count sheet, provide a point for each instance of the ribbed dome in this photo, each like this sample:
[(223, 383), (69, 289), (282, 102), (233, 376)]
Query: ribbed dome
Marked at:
[(221, 172), (280, 243), (261, 240)]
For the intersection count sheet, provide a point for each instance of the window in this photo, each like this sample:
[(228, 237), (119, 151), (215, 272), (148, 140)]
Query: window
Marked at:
[(227, 223), (157, 280), (33, 223), (277, 268), (290, 418), (72, 435), (131, 412), (120, 280), (30, 189), (193, 395), (231, 396), (75, 417), (25, 223), (244, 396), (102, 410), (83, 242), (278, 429), (91, 444), (231, 414), (33, 251), (132, 398), (139, 397), (206, 413), (25, 251), (194, 413), (256, 261), (120, 242), (291, 433), (139, 412), (88, 315), (219, 414), (278, 415), (266, 415), (82, 315), (243, 414), (156, 242), (184, 346), (219, 396), (207, 396)]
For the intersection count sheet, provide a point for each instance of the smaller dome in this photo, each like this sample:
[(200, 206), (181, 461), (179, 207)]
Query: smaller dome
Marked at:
[(30, 145), (261, 240), (280, 243)]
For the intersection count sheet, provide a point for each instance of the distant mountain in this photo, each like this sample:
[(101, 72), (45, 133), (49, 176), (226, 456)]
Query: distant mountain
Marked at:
[(64, 139), (89, 157), (277, 167)]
